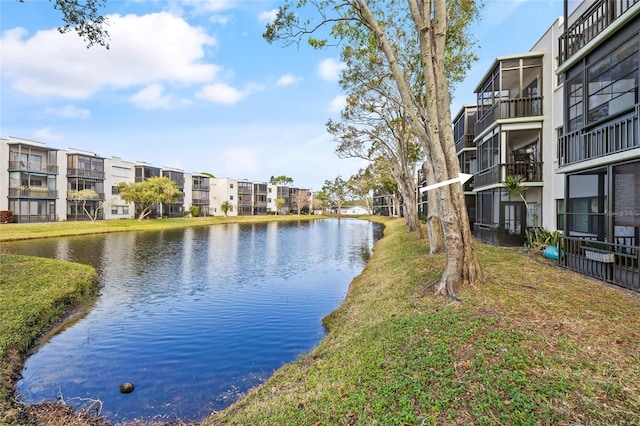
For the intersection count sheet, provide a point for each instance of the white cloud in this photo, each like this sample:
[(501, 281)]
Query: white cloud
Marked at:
[(222, 93), (220, 19), (288, 80), (153, 97), (139, 55), (209, 5), (268, 16), (69, 111), (329, 69), (338, 103), (47, 134)]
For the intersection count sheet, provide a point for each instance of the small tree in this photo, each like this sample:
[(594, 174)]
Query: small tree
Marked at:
[(321, 200), (514, 187), (149, 193), (226, 207), (301, 199), (280, 202), (84, 196), (338, 191), (361, 185)]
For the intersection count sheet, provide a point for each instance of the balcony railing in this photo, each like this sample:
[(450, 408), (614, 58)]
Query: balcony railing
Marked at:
[(35, 218), (590, 24), (486, 233), (615, 263), (32, 166), (200, 201), (94, 174), (510, 108), (198, 187), (529, 172), (610, 138), (465, 142), (99, 196), (32, 192), (82, 217)]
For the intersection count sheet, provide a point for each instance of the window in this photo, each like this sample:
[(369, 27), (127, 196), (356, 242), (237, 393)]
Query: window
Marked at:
[(575, 105), (231, 197), (115, 190), (120, 210), (613, 82), (231, 185), (560, 214)]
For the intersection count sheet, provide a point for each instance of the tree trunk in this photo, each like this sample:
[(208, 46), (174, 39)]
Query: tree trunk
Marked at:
[(434, 225), (411, 219), (462, 267)]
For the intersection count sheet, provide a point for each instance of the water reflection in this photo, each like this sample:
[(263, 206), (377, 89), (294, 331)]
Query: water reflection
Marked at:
[(194, 317)]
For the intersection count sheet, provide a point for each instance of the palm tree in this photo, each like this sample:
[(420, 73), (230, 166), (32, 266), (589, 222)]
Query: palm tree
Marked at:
[(514, 187), (226, 207)]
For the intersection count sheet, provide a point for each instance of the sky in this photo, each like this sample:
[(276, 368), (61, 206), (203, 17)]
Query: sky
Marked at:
[(192, 85)]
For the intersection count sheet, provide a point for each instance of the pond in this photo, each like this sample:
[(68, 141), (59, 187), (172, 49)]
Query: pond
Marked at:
[(196, 317)]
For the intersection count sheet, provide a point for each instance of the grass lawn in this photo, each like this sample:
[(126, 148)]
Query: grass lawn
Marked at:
[(534, 344), (34, 293), (23, 231)]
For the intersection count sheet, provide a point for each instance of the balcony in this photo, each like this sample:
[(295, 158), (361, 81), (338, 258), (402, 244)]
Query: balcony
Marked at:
[(465, 142), (93, 174), (591, 24), (610, 138), (99, 196), (33, 192), (32, 166), (35, 218), (82, 217), (529, 172), (200, 187), (615, 263), (510, 108)]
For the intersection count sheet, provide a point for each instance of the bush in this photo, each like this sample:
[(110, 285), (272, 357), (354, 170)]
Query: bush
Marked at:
[(541, 238), (194, 211), (6, 216)]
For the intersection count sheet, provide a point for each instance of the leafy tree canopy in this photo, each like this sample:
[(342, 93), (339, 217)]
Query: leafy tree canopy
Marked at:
[(83, 17), (281, 180), (146, 194)]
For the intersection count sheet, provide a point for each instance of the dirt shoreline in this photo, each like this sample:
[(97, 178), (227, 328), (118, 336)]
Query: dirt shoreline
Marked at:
[(49, 413)]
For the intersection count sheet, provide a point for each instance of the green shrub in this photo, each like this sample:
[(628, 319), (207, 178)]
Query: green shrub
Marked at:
[(540, 238)]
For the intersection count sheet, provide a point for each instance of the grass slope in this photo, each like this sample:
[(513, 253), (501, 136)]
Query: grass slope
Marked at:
[(34, 294), (24, 231), (535, 344)]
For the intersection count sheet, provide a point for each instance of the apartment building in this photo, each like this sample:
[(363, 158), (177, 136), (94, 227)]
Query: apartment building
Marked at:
[(85, 171), (464, 137), (249, 198), (31, 190), (515, 136), (599, 144), (116, 172), (199, 192), (175, 209)]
